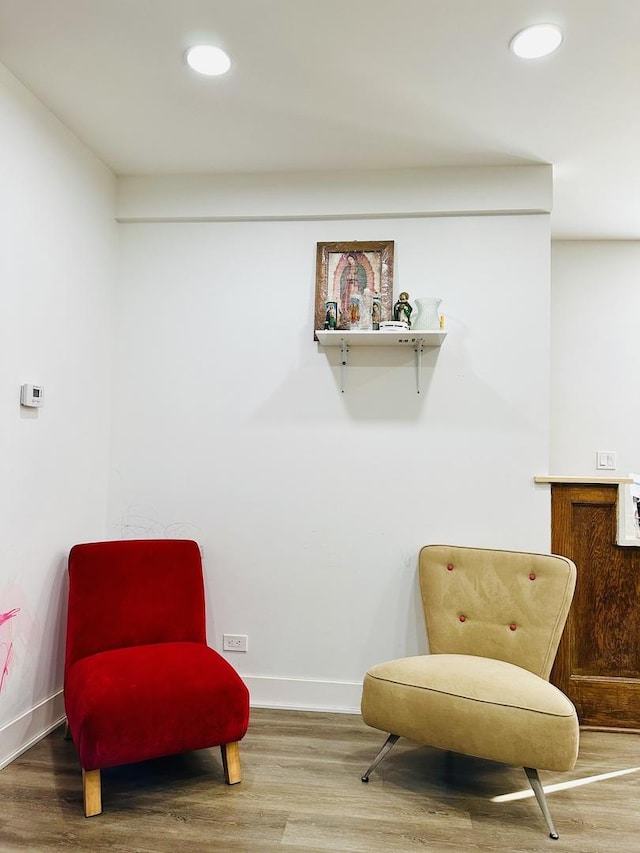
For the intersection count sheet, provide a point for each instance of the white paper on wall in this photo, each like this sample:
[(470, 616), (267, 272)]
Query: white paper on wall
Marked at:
[(627, 511)]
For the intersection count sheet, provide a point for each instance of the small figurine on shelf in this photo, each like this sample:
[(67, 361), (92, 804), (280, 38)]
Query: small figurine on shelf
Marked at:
[(331, 317), (376, 312), (402, 309), (354, 312)]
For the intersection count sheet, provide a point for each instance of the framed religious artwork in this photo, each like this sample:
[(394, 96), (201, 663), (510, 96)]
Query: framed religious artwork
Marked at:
[(354, 285)]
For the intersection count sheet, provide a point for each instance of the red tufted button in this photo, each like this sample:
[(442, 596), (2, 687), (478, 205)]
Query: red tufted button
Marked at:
[(449, 567), (513, 626), (532, 576), (462, 617)]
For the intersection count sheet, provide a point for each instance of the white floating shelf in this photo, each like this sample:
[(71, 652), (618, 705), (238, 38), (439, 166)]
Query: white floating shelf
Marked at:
[(361, 338)]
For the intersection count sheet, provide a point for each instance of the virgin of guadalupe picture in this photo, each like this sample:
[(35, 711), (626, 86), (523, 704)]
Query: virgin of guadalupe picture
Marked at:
[(354, 279), (353, 284)]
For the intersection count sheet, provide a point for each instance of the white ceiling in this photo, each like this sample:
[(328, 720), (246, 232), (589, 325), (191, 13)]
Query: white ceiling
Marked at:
[(348, 84)]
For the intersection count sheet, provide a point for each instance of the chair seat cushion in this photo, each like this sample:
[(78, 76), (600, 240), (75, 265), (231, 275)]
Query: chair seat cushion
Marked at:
[(131, 704), (474, 705)]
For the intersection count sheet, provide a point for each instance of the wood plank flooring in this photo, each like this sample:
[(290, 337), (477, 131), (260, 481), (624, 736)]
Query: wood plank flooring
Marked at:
[(301, 793)]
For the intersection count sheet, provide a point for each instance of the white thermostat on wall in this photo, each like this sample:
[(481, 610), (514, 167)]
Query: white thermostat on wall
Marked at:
[(31, 396)]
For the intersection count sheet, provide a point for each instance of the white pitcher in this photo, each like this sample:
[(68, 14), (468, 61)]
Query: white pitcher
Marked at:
[(425, 313)]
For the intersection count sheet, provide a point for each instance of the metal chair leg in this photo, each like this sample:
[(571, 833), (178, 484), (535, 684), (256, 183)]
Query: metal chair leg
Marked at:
[(538, 790), (388, 744)]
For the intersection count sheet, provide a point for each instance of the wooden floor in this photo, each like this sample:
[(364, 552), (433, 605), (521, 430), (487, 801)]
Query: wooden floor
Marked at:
[(301, 791)]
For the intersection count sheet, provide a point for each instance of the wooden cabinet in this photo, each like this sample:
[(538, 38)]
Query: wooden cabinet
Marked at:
[(598, 662)]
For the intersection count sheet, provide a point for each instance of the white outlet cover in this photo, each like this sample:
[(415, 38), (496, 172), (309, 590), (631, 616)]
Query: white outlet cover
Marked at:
[(235, 642)]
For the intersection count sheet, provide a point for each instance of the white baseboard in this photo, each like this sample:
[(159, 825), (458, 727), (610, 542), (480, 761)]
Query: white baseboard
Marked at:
[(301, 694), (18, 735)]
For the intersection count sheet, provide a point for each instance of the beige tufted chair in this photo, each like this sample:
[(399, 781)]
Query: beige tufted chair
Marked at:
[(494, 621)]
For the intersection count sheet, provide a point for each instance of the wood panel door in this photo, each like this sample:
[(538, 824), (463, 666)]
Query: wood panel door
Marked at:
[(598, 661)]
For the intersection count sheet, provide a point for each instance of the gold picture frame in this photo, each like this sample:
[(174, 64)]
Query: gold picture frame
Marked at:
[(354, 285)]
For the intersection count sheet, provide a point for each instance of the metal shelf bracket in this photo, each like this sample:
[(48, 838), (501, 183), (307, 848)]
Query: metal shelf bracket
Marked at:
[(418, 349), (344, 352)]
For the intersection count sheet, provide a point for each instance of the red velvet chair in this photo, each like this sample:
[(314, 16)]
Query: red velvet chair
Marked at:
[(140, 681)]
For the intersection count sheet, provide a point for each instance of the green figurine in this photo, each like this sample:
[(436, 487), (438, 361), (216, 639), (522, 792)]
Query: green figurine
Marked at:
[(402, 309)]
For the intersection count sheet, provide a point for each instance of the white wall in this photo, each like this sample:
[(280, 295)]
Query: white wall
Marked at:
[(57, 268), (595, 334), (348, 193), (229, 425), (311, 506)]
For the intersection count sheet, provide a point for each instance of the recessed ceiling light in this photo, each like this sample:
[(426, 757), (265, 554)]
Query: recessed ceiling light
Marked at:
[(209, 60), (536, 41)]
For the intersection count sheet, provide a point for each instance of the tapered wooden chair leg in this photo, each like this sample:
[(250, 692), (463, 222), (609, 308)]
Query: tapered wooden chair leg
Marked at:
[(231, 762), (91, 792), (67, 731)]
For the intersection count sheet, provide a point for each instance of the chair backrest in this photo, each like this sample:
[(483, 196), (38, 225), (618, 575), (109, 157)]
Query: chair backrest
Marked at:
[(507, 605), (134, 592)]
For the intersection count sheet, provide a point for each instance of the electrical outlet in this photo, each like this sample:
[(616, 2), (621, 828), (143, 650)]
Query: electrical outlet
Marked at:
[(606, 460), (235, 642)]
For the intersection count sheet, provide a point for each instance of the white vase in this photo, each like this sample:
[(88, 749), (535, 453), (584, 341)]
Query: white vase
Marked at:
[(425, 313)]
